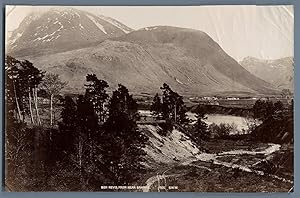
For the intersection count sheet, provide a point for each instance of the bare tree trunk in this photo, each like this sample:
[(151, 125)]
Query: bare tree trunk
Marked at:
[(17, 102), (158, 183), (80, 152), (51, 109), (54, 118), (175, 114), (36, 106), (30, 107), (37, 110)]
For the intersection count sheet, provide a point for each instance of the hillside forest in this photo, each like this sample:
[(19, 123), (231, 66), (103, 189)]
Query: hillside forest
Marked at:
[(58, 141)]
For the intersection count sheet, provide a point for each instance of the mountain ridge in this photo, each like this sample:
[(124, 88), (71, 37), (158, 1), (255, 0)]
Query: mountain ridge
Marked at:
[(50, 32), (279, 72), (189, 60)]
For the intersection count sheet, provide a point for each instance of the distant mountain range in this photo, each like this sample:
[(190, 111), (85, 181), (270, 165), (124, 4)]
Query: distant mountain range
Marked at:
[(74, 43), (279, 72)]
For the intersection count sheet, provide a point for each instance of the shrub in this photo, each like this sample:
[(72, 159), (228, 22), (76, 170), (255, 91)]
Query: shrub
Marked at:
[(222, 130)]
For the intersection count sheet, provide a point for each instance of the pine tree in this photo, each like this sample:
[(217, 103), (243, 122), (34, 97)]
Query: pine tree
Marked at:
[(200, 129), (22, 82), (96, 92), (173, 108), (156, 107), (52, 84), (262, 110), (30, 78), (123, 143), (80, 124), (278, 106), (86, 133), (79, 127), (14, 91), (68, 126), (68, 114)]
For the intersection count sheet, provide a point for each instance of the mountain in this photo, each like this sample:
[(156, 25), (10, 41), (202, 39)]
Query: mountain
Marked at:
[(279, 72), (61, 29), (188, 60)]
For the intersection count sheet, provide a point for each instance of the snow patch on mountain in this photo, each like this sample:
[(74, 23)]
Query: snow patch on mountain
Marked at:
[(97, 24), (77, 14), (52, 37), (32, 17), (18, 35), (115, 23), (179, 81), (67, 12), (81, 27), (149, 28)]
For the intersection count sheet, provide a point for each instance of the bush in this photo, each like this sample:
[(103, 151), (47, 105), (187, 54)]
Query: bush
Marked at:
[(222, 130), (277, 125)]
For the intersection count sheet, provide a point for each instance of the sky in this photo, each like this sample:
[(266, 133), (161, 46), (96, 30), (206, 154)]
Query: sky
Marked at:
[(265, 32)]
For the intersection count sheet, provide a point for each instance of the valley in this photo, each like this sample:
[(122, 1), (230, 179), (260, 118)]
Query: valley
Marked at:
[(188, 60), (241, 164), (245, 162), (94, 105)]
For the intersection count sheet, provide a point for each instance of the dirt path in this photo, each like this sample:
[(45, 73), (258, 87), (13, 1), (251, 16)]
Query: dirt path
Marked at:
[(209, 157), (160, 175), (157, 178), (267, 151)]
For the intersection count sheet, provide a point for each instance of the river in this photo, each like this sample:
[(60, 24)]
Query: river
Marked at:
[(240, 122)]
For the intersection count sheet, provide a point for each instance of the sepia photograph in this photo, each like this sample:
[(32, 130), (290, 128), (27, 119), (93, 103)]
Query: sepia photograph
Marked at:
[(149, 98)]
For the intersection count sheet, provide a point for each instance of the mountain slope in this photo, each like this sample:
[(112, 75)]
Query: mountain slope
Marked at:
[(60, 30), (279, 72), (188, 60), (199, 45)]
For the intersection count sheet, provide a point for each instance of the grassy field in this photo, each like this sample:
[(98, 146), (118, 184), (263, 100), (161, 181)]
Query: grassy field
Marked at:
[(222, 179)]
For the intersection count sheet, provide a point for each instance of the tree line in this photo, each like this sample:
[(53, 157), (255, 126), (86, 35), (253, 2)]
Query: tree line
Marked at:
[(277, 121), (97, 141), (171, 108), (24, 83), (267, 121)]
